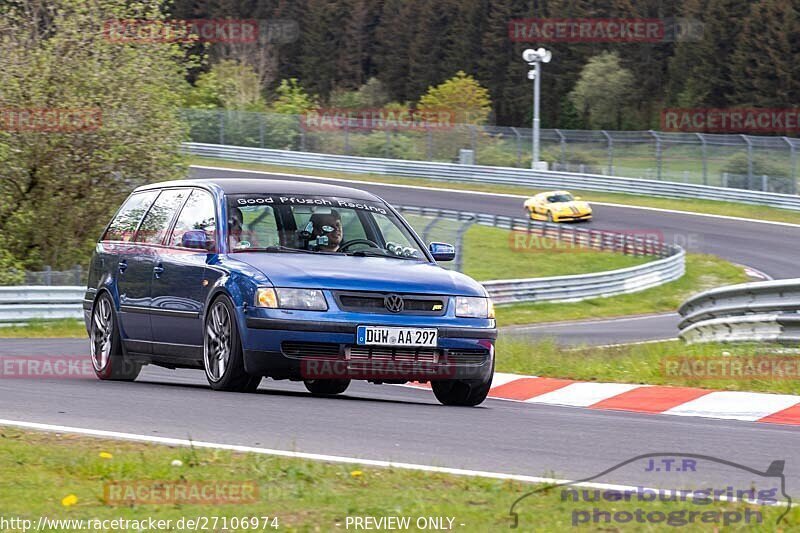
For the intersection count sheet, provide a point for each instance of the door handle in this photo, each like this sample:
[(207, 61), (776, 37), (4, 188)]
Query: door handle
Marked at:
[(158, 270), (122, 266)]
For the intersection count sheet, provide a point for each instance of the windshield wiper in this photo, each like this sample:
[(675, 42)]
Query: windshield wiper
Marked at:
[(276, 249), (367, 253)]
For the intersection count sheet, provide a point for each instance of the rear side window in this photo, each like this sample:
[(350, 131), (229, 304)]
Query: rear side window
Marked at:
[(127, 220), (197, 214), (157, 220)]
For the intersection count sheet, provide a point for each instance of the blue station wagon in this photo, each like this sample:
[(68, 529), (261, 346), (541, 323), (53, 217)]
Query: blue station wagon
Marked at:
[(253, 278)]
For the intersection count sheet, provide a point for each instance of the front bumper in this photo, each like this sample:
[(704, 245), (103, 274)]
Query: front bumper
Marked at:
[(571, 217), (309, 349)]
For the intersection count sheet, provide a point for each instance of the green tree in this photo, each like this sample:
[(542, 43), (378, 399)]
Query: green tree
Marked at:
[(603, 92), (701, 73), (463, 96), (229, 85), (765, 59), (59, 187), (292, 99)]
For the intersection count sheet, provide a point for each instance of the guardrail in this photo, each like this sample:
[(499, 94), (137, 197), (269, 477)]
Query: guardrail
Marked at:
[(538, 179), (759, 311), (26, 302), (19, 304)]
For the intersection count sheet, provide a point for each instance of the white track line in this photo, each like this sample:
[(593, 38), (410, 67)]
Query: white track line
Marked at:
[(296, 455), (497, 194)]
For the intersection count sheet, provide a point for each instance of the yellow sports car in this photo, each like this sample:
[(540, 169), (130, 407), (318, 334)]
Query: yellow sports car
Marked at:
[(557, 206)]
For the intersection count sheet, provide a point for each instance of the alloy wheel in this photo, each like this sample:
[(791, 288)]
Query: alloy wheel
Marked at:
[(217, 345), (101, 334)]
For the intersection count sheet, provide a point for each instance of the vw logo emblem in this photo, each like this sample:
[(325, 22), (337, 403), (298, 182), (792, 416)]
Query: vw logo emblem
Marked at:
[(393, 302)]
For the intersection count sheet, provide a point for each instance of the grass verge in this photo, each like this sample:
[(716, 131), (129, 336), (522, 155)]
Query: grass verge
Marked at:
[(489, 253), (711, 207), (66, 328), (733, 367), (63, 477), (702, 272)]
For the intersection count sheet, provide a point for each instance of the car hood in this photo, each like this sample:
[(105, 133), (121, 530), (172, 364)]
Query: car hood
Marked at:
[(343, 272), (570, 206)]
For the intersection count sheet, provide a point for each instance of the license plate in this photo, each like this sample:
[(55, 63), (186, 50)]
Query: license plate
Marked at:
[(377, 335)]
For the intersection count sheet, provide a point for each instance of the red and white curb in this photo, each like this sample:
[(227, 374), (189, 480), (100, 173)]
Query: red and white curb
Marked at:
[(653, 399)]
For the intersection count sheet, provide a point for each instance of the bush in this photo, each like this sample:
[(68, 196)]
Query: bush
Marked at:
[(400, 145), (779, 180), (11, 271)]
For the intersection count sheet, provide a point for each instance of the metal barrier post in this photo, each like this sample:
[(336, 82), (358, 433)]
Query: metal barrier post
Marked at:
[(459, 266), (658, 154), (519, 146), (705, 157), (610, 153), (749, 159)]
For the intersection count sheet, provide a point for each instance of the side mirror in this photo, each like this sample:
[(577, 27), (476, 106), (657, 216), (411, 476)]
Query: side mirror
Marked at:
[(442, 251), (197, 240)]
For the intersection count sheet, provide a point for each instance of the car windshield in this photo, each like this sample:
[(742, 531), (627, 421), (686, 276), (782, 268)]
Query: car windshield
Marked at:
[(557, 198), (291, 223)]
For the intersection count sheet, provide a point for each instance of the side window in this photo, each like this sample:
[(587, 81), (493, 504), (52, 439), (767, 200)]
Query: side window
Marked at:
[(156, 222), (252, 227), (197, 214), (124, 224)]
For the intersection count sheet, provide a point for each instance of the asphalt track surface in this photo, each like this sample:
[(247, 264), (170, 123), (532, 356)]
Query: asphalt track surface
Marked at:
[(391, 423), (769, 248)]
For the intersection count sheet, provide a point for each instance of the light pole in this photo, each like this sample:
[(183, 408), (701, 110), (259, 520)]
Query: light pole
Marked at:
[(535, 58)]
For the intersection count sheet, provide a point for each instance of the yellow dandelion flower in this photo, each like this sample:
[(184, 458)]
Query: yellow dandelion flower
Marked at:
[(105, 455), (69, 500), (356, 473)]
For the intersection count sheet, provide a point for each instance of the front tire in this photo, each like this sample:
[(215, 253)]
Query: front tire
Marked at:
[(223, 360), (108, 359), (326, 387), (550, 217), (462, 392)]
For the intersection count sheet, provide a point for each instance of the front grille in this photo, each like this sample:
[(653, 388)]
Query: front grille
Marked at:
[(372, 302), (390, 353), (321, 350), (466, 357), (311, 350)]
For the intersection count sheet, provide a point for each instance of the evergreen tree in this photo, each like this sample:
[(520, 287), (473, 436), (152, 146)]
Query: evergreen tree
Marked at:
[(767, 72)]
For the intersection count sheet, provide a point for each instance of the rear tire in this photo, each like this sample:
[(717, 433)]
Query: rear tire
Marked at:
[(223, 360), (326, 387), (462, 392), (108, 359)]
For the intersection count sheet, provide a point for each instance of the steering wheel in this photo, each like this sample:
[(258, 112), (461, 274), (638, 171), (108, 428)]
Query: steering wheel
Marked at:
[(345, 245)]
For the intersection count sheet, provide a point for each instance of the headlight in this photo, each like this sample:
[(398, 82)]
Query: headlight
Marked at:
[(301, 299), (473, 307)]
